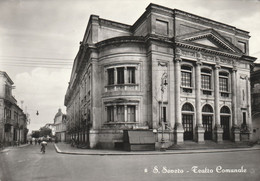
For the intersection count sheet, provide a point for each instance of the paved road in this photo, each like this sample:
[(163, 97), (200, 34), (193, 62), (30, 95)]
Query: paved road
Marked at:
[(28, 164)]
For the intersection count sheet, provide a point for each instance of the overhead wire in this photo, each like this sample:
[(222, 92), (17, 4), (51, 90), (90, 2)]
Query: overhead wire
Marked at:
[(38, 58), (57, 67), (45, 62)]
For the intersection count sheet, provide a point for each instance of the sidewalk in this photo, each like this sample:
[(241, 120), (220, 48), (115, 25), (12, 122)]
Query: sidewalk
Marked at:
[(64, 148), (6, 149)]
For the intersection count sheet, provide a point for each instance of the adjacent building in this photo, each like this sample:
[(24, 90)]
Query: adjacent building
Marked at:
[(52, 127), (173, 73), (13, 121), (255, 87), (60, 126)]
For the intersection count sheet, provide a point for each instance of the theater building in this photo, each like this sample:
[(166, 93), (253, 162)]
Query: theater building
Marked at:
[(172, 73)]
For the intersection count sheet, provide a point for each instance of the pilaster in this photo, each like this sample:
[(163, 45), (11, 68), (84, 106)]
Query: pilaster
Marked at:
[(178, 124), (218, 131), (125, 110), (199, 128), (235, 129)]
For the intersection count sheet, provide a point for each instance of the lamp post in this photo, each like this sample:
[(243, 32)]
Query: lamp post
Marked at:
[(163, 87)]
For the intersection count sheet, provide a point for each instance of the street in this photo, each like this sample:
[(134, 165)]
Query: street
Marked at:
[(28, 164)]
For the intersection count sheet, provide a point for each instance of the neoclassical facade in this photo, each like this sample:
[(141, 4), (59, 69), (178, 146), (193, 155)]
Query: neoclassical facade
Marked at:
[(178, 75)]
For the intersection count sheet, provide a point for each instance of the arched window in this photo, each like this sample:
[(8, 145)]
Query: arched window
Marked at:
[(207, 118), (187, 121), (186, 76), (207, 109), (225, 110), (225, 122), (187, 107)]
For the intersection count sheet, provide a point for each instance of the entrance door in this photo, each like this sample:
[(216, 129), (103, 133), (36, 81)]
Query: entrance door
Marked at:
[(225, 126), (187, 122), (207, 124)]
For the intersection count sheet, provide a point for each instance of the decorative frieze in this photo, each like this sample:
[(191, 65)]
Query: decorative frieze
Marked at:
[(226, 61), (204, 57), (188, 53)]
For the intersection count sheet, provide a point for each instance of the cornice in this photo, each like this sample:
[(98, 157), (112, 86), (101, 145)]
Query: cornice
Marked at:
[(121, 39), (215, 24), (114, 24), (162, 39), (212, 35), (7, 76), (206, 49)]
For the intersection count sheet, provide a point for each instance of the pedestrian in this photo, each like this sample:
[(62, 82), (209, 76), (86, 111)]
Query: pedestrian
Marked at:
[(39, 141), (35, 141), (31, 142)]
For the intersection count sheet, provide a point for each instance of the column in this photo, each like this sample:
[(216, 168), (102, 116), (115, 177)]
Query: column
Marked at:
[(235, 128), (125, 113), (115, 78), (249, 111), (115, 115), (137, 114), (199, 128), (125, 77), (137, 77), (178, 123), (218, 131)]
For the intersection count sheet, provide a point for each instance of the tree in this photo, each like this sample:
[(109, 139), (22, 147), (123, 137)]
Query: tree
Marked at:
[(44, 132), (36, 134)]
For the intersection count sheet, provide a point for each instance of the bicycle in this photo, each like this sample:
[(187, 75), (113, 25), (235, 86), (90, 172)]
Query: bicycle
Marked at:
[(43, 149)]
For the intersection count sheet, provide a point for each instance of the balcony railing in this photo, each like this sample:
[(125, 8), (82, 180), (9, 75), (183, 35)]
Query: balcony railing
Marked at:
[(121, 87)]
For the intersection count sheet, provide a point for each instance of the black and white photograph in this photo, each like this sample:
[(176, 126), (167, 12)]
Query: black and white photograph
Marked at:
[(129, 90)]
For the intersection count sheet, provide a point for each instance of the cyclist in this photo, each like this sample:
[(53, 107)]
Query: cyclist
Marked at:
[(43, 144)]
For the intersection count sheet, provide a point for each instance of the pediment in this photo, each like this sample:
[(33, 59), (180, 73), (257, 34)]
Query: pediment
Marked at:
[(211, 39), (205, 41)]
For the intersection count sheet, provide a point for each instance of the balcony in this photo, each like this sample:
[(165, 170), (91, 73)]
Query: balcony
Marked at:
[(8, 121), (121, 87), (120, 125)]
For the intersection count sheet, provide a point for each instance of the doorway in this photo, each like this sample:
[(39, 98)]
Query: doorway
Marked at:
[(207, 124), (225, 125), (187, 122)]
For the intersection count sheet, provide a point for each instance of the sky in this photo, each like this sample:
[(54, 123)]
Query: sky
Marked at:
[(39, 40)]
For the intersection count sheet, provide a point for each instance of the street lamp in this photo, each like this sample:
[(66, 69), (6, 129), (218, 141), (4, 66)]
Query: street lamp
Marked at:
[(163, 87)]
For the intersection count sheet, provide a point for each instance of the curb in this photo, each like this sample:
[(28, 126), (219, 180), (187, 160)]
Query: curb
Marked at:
[(7, 149), (157, 152), (4, 150)]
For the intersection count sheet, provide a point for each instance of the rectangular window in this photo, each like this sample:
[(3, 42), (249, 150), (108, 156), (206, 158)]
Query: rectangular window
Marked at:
[(164, 114), (244, 118), (223, 84), (131, 113), (161, 27), (110, 114), (120, 75), (110, 75), (121, 113), (242, 46), (7, 90), (131, 75), (205, 82), (186, 79)]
